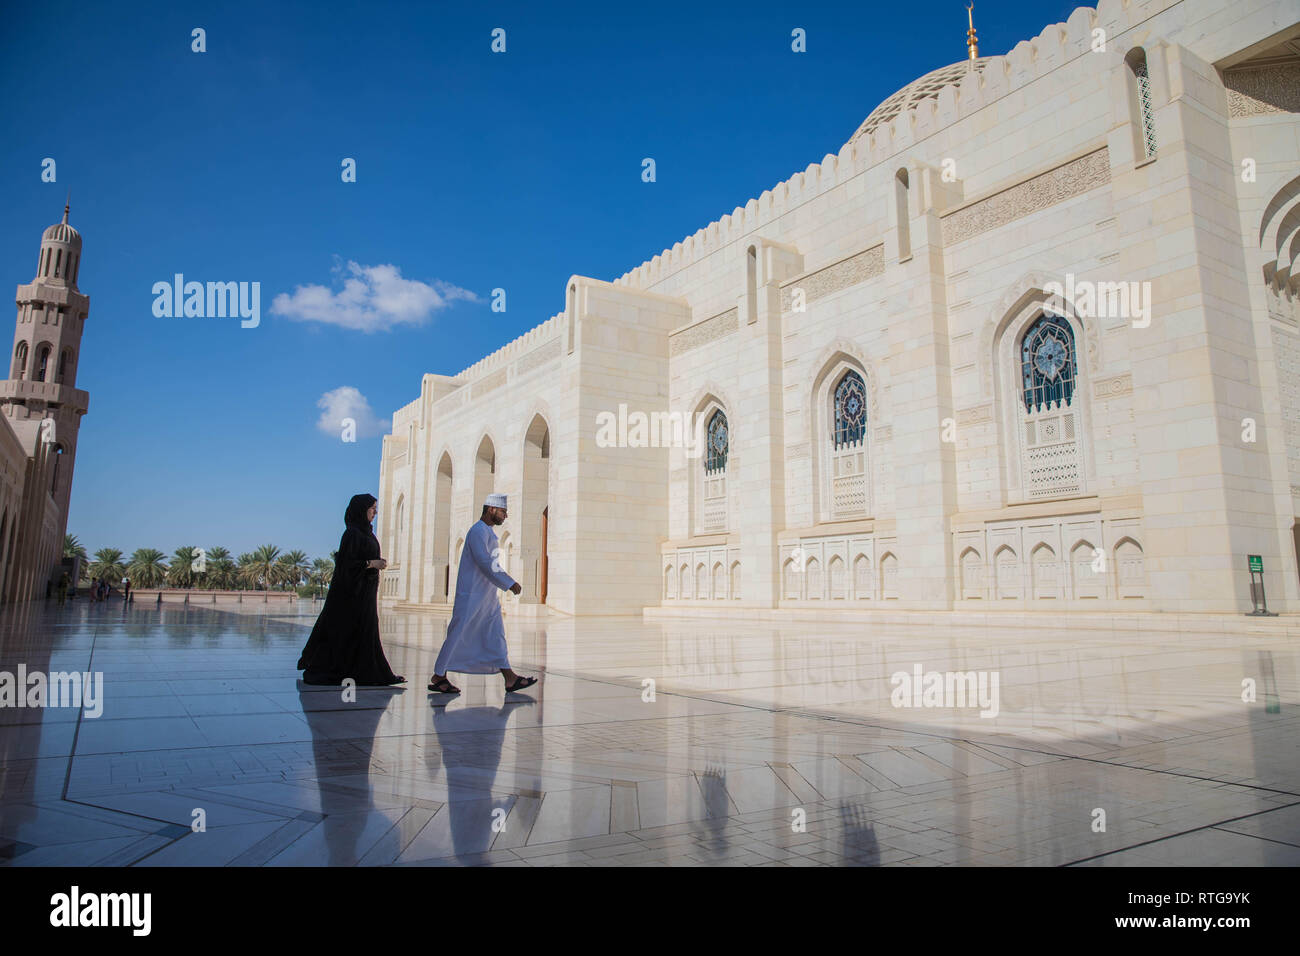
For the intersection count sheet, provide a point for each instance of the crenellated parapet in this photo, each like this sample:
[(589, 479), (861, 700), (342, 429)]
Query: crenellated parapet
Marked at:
[(512, 350), (976, 88)]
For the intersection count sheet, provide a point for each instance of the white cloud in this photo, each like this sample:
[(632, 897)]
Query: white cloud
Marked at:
[(373, 299), (348, 402)]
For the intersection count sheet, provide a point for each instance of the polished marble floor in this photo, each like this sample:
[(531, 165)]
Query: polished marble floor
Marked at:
[(761, 744)]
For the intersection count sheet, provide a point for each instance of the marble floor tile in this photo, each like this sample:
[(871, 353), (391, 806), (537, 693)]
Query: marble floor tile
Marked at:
[(766, 745)]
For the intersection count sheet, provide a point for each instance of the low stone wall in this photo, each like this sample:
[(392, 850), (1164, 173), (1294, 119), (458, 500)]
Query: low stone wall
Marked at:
[(196, 596)]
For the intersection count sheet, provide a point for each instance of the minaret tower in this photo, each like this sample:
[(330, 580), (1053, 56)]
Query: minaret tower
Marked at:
[(40, 399)]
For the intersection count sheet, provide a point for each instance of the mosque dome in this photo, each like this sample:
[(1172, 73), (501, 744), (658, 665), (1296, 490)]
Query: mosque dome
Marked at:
[(925, 88), (62, 232)]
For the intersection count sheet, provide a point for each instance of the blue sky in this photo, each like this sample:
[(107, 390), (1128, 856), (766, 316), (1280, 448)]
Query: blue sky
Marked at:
[(475, 171)]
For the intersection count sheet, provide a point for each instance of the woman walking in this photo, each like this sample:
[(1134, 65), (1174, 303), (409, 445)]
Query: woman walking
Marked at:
[(345, 641)]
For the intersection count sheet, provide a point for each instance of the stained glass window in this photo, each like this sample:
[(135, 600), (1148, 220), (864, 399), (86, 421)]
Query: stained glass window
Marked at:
[(850, 410), (1047, 364), (716, 456)]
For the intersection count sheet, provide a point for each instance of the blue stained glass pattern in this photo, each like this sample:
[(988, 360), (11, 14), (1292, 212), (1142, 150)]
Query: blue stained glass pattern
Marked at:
[(1047, 364), (716, 455), (850, 410)]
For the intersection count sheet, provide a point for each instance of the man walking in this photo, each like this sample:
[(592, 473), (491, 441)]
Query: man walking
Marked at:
[(476, 638)]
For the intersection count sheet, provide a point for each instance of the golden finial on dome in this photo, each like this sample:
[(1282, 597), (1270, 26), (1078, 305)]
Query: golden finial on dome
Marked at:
[(972, 44)]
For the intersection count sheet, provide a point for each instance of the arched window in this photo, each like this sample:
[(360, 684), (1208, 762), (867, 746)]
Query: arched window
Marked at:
[(848, 451), (54, 479), (64, 358), (43, 363), (20, 361), (399, 529), (1049, 430), (901, 188), (1139, 83), (716, 456), (713, 487), (751, 285), (850, 410), (1047, 364)]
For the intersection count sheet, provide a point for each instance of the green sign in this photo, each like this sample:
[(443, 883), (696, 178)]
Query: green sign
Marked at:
[(1256, 562)]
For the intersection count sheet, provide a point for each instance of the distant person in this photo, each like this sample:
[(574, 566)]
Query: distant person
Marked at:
[(345, 641), (126, 590), (476, 637), (63, 587)]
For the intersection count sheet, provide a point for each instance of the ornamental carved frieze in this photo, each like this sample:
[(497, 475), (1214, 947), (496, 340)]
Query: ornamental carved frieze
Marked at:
[(1040, 192), (701, 333), (538, 356), (488, 383), (1258, 91), (838, 275)]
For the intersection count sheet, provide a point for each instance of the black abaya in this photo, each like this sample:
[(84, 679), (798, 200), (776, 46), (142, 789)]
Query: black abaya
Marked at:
[(345, 641)]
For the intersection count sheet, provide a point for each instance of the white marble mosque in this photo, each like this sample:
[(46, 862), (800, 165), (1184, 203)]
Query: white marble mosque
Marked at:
[(1029, 341)]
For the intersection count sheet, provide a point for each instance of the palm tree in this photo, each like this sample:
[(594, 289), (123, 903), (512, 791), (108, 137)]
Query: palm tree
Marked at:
[(146, 568), (262, 569), (283, 571), (322, 572), (243, 570), (221, 569), (72, 548), (182, 573), (296, 563), (107, 564)]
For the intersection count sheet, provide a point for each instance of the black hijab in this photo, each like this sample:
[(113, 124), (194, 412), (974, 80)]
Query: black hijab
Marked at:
[(355, 516)]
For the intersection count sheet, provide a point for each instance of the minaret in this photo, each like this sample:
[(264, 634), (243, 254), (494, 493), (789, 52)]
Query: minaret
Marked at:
[(40, 399)]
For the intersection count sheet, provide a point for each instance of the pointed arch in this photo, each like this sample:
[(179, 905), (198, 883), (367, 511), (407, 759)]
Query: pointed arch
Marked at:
[(862, 580), (439, 527), (532, 510), (1086, 582), (1006, 571), (812, 575), (971, 567), (484, 473), (889, 576), (837, 579), (1024, 294), (791, 578), (1130, 568), (1046, 452), (712, 474), (1044, 572)]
